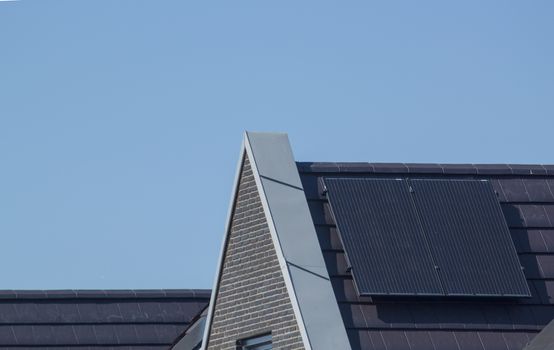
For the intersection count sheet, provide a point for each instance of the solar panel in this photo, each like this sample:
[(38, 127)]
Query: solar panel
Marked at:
[(382, 237), (425, 237), (469, 238)]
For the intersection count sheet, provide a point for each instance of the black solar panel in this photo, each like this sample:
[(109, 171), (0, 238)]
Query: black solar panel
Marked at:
[(382, 238), (469, 238), (434, 237)]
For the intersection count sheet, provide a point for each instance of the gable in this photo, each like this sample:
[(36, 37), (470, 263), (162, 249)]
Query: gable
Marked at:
[(252, 297)]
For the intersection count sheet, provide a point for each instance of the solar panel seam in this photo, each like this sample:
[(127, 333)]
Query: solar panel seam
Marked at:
[(425, 237)]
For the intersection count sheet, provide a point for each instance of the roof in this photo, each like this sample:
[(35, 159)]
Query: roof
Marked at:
[(526, 195), (191, 338), (97, 319), (544, 340)]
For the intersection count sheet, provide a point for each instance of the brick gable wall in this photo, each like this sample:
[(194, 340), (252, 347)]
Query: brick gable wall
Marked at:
[(252, 298)]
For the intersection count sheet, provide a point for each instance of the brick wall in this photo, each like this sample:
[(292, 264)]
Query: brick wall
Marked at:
[(252, 298)]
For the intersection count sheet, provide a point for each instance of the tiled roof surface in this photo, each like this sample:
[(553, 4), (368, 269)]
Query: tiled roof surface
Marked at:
[(526, 194), (99, 319)]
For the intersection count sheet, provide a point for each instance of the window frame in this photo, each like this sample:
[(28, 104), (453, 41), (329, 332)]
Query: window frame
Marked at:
[(258, 342)]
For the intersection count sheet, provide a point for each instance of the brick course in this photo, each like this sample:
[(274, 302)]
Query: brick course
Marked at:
[(252, 298)]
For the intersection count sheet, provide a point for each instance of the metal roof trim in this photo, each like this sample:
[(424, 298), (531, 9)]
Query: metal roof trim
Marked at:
[(296, 241)]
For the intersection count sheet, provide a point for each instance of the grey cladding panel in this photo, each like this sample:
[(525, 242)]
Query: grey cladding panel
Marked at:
[(469, 238), (382, 237)]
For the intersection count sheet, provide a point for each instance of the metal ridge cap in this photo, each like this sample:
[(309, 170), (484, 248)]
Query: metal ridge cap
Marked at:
[(104, 294)]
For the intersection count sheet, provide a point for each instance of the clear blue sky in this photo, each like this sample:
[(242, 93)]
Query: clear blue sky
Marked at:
[(121, 121)]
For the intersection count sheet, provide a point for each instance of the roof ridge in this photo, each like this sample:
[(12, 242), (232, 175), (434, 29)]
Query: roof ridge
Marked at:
[(104, 293), (428, 168)]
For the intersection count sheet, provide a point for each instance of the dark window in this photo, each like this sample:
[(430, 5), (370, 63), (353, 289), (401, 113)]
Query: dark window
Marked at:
[(262, 342), (425, 237)]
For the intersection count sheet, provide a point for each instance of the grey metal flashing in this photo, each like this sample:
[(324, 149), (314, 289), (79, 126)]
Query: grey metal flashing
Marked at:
[(296, 242), (193, 335)]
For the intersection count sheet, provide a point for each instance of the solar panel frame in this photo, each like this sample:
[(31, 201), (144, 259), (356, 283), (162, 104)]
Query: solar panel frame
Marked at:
[(393, 262), (469, 238), (459, 239)]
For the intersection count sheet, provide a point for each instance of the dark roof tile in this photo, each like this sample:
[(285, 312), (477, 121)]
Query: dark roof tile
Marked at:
[(396, 315), (515, 341), (493, 169), (424, 168), (168, 331), (377, 340), (359, 167), (542, 313), (395, 168), (548, 237), (336, 263), (528, 240), (373, 316), (535, 216), (492, 340), (7, 335), (328, 238), (311, 187), (549, 168), (544, 290), (127, 334), (513, 215), (425, 315), (549, 210), (105, 334), (43, 334), (360, 339), (514, 190), (64, 334), (147, 333), (538, 190), (444, 340), (468, 340), (528, 169), (546, 265), (459, 169), (419, 340), (344, 289), (395, 340), (318, 167), (352, 314), (522, 317), (24, 335), (530, 266)]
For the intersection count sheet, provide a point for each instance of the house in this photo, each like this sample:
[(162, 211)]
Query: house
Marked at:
[(383, 256), (339, 256)]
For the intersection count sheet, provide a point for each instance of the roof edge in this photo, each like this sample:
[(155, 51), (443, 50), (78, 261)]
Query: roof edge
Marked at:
[(221, 259), (104, 294), (427, 168)]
